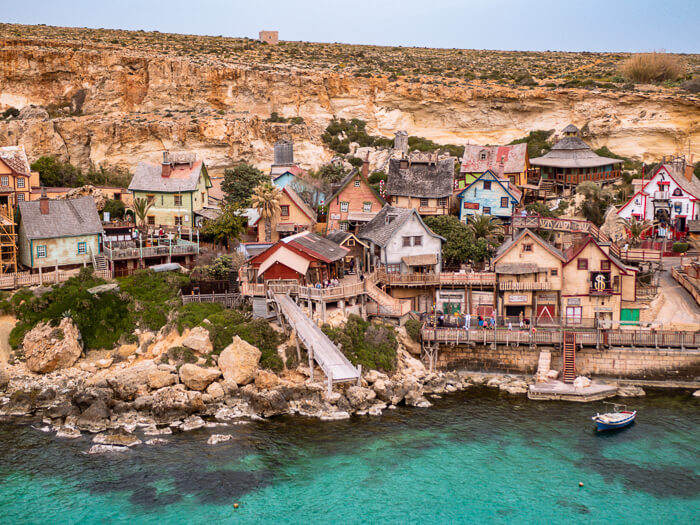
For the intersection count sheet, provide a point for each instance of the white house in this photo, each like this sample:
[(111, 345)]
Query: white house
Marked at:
[(400, 242), (671, 197)]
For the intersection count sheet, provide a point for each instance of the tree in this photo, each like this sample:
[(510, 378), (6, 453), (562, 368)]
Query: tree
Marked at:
[(53, 172), (266, 198), (597, 200), (332, 172), (228, 226), (636, 228), (141, 208), (486, 227), (459, 243), (115, 208), (239, 183)]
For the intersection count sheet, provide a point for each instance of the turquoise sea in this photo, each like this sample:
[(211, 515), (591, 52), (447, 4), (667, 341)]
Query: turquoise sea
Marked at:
[(475, 457)]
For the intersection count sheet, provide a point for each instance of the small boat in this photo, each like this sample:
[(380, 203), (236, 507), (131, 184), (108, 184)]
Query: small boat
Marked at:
[(620, 417)]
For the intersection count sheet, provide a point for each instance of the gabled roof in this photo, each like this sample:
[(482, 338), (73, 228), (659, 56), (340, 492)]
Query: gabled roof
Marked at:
[(183, 177), (572, 152), (574, 252), (512, 190), (348, 178), (305, 208), (513, 158), (339, 237), (421, 179), (66, 218), (526, 232), (389, 219), (674, 171), (292, 170), (16, 159), (316, 246)]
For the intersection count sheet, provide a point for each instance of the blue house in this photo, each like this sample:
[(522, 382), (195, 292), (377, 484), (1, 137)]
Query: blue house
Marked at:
[(488, 195), (294, 177)]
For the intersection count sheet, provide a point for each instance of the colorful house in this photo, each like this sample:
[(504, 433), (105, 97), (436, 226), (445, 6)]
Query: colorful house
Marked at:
[(294, 216), (671, 197), (297, 179), (357, 258), (489, 195), (421, 181), (16, 178), (354, 203), (60, 233), (509, 162), (177, 187)]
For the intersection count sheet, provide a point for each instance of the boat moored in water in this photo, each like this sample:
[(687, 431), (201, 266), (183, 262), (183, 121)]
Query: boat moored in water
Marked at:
[(619, 418)]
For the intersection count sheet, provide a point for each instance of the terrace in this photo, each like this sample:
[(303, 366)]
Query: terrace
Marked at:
[(157, 247)]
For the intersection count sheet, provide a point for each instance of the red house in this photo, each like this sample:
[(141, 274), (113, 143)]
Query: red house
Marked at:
[(355, 203)]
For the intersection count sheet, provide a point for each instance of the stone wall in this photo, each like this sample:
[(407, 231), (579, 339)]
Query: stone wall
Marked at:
[(626, 363)]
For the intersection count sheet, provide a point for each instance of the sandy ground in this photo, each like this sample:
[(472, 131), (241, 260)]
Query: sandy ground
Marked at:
[(679, 309), (7, 322)]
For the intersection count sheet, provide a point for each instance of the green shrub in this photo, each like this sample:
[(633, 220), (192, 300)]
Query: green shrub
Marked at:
[(115, 208), (536, 141), (413, 329), (192, 314), (373, 345), (680, 247), (154, 296)]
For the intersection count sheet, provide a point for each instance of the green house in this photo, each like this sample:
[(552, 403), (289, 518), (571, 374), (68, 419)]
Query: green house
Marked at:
[(178, 188)]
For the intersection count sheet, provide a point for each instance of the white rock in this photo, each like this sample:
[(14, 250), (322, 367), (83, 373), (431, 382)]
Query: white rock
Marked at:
[(239, 361), (192, 423), (68, 432), (116, 440), (156, 441), (582, 382), (218, 438), (155, 431), (102, 449), (49, 348), (334, 416), (696, 393), (104, 363), (198, 340)]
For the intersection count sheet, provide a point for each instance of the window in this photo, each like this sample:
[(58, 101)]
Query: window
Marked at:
[(487, 184), (442, 203), (527, 247), (482, 155), (367, 207), (351, 242), (151, 198), (284, 210), (582, 264), (511, 178), (573, 314), (418, 241), (343, 226), (424, 203), (357, 183), (604, 265), (4, 180), (20, 197), (344, 206), (406, 241), (82, 248), (20, 182), (178, 200), (41, 250), (677, 192), (553, 272), (487, 210), (178, 221), (151, 220), (393, 268), (117, 196), (504, 202)]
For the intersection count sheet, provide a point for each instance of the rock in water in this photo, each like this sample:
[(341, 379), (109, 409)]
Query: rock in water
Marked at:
[(198, 378), (239, 361), (696, 393), (631, 391), (122, 440), (198, 340), (192, 423), (102, 449), (218, 438), (47, 348), (68, 432)]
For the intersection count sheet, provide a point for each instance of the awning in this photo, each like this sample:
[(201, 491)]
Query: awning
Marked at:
[(358, 216), (518, 268), (288, 258), (285, 227), (420, 260)]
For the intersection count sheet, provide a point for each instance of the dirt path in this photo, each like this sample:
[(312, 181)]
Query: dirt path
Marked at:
[(7, 323), (679, 308)]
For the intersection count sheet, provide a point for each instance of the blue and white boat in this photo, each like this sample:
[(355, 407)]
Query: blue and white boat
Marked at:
[(619, 418)]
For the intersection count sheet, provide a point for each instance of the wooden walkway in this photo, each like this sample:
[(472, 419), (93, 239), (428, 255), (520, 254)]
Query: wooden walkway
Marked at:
[(332, 361)]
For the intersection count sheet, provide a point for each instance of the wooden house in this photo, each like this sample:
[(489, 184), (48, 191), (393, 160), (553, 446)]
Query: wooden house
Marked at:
[(358, 257), (294, 216), (489, 195), (59, 233), (509, 162), (16, 177), (177, 187), (421, 181), (354, 203)]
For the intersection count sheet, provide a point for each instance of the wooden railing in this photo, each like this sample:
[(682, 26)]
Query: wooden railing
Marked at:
[(10, 281), (578, 178), (638, 255), (525, 286), (687, 283), (435, 279), (182, 248), (230, 300)]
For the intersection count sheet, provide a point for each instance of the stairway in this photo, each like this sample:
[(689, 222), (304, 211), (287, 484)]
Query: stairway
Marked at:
[(569, 357), (543, 366), (99, 262), (383, 299)]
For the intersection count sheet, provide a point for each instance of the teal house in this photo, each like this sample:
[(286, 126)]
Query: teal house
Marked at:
[(489, 195)]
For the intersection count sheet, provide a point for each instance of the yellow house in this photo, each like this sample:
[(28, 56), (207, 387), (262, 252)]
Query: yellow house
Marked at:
[(16, 178), (294, 216)]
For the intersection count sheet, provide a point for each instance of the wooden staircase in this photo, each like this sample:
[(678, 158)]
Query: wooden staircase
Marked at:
[(386, 302), (569, 358), (543, 366)]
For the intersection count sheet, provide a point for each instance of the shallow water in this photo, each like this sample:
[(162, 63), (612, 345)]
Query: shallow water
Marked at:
[(475, 457)]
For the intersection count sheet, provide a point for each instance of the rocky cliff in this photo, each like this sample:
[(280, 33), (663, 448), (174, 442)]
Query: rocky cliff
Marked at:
[(113, 106)]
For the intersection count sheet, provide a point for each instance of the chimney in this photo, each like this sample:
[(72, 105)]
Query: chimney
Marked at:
[(365, 166), (44, 202), (689, 170), (166, 167)]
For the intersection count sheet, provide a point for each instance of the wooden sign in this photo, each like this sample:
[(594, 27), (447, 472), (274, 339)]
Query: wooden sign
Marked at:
[(471, 205)]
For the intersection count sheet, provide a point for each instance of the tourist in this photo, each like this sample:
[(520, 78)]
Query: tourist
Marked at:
[(160, 232), (510, 326), (522, 322), (467, 321)]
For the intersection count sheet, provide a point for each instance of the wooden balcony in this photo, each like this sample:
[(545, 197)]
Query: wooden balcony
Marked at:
[(437, 279), (335, 293), (131, 250), (525, 286)]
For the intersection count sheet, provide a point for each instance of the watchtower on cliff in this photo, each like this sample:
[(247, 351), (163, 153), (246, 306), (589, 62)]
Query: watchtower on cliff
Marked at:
[(401, 141), (269, 37)]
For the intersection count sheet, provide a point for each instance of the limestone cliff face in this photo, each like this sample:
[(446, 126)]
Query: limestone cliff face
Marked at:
[(128, 107)]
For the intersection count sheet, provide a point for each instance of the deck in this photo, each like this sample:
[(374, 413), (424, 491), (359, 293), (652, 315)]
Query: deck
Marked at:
[(437, 279)]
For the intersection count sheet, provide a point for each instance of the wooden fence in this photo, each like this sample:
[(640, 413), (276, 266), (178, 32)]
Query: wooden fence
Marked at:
[(229, 300), (11, 281), (686, 283)]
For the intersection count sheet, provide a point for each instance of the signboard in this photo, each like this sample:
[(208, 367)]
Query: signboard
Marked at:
[(517, 299), (547, 298), (471, 205), (335, 216), (603, 309), (574, 301)]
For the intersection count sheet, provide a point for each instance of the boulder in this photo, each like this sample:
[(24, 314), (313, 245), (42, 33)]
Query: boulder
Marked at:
[(267, 403), (359, 397), (373, 375), (197, 378), (161, 378), (631, 391), (174, 401), (239, 361), (215, 390), (50, 348), (410, 366), (104, 363), (127, 350), (192, 423), (129, 383), (122, 440), (68, 432), (265, 380), (383, 389), (33, 113), (412, 346), (218, 438), (514, 387), (94, 418), (582, 382), (415, 398), (102, 449), (696, 393), (198, 340), (156, 441)]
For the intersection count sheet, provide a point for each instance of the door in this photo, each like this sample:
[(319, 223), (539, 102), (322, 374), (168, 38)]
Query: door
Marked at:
[(545, 313), (573, 315), (629, 316)]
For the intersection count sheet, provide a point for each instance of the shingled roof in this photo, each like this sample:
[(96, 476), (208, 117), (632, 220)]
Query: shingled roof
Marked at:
[(572, 152), (512, 158), (66, 218), (317, 246), (420, 178), (506, 246), (16, 159), (183, 177), (389, 219)]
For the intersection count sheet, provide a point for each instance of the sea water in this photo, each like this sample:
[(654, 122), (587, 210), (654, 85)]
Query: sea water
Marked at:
[(474, 457)]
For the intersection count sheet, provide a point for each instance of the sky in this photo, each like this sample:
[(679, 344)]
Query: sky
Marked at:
[(537, 25)]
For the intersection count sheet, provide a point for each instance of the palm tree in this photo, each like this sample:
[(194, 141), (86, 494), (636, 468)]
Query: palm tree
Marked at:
[(485, 227), (141, 208), (266, 198), (637, 228)]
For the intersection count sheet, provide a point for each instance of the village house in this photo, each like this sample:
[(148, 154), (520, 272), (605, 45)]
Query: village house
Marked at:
[(354, 203), (178, 187), (671, 198), (571, 162), (59, 233), (294, 216), (489, 195), (421, 181), (508, 162), (16, 177), (357, 258)]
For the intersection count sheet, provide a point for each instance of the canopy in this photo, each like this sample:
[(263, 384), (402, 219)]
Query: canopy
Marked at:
[(420, 260), (288, 258)]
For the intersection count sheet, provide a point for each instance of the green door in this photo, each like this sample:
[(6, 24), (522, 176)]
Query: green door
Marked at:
[(629, 316)]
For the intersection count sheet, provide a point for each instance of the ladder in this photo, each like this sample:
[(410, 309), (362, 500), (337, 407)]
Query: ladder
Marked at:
[(569, 357)]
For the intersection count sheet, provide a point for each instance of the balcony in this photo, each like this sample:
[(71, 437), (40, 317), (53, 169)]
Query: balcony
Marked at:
[(131, 250), (435, 279), (522, 287), (662, 195)]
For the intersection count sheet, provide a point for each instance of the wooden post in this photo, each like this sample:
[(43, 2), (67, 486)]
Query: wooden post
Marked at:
[(330, 385), (359, 377), (311, 363), (296, 341), (41, 278), (56, 270)]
